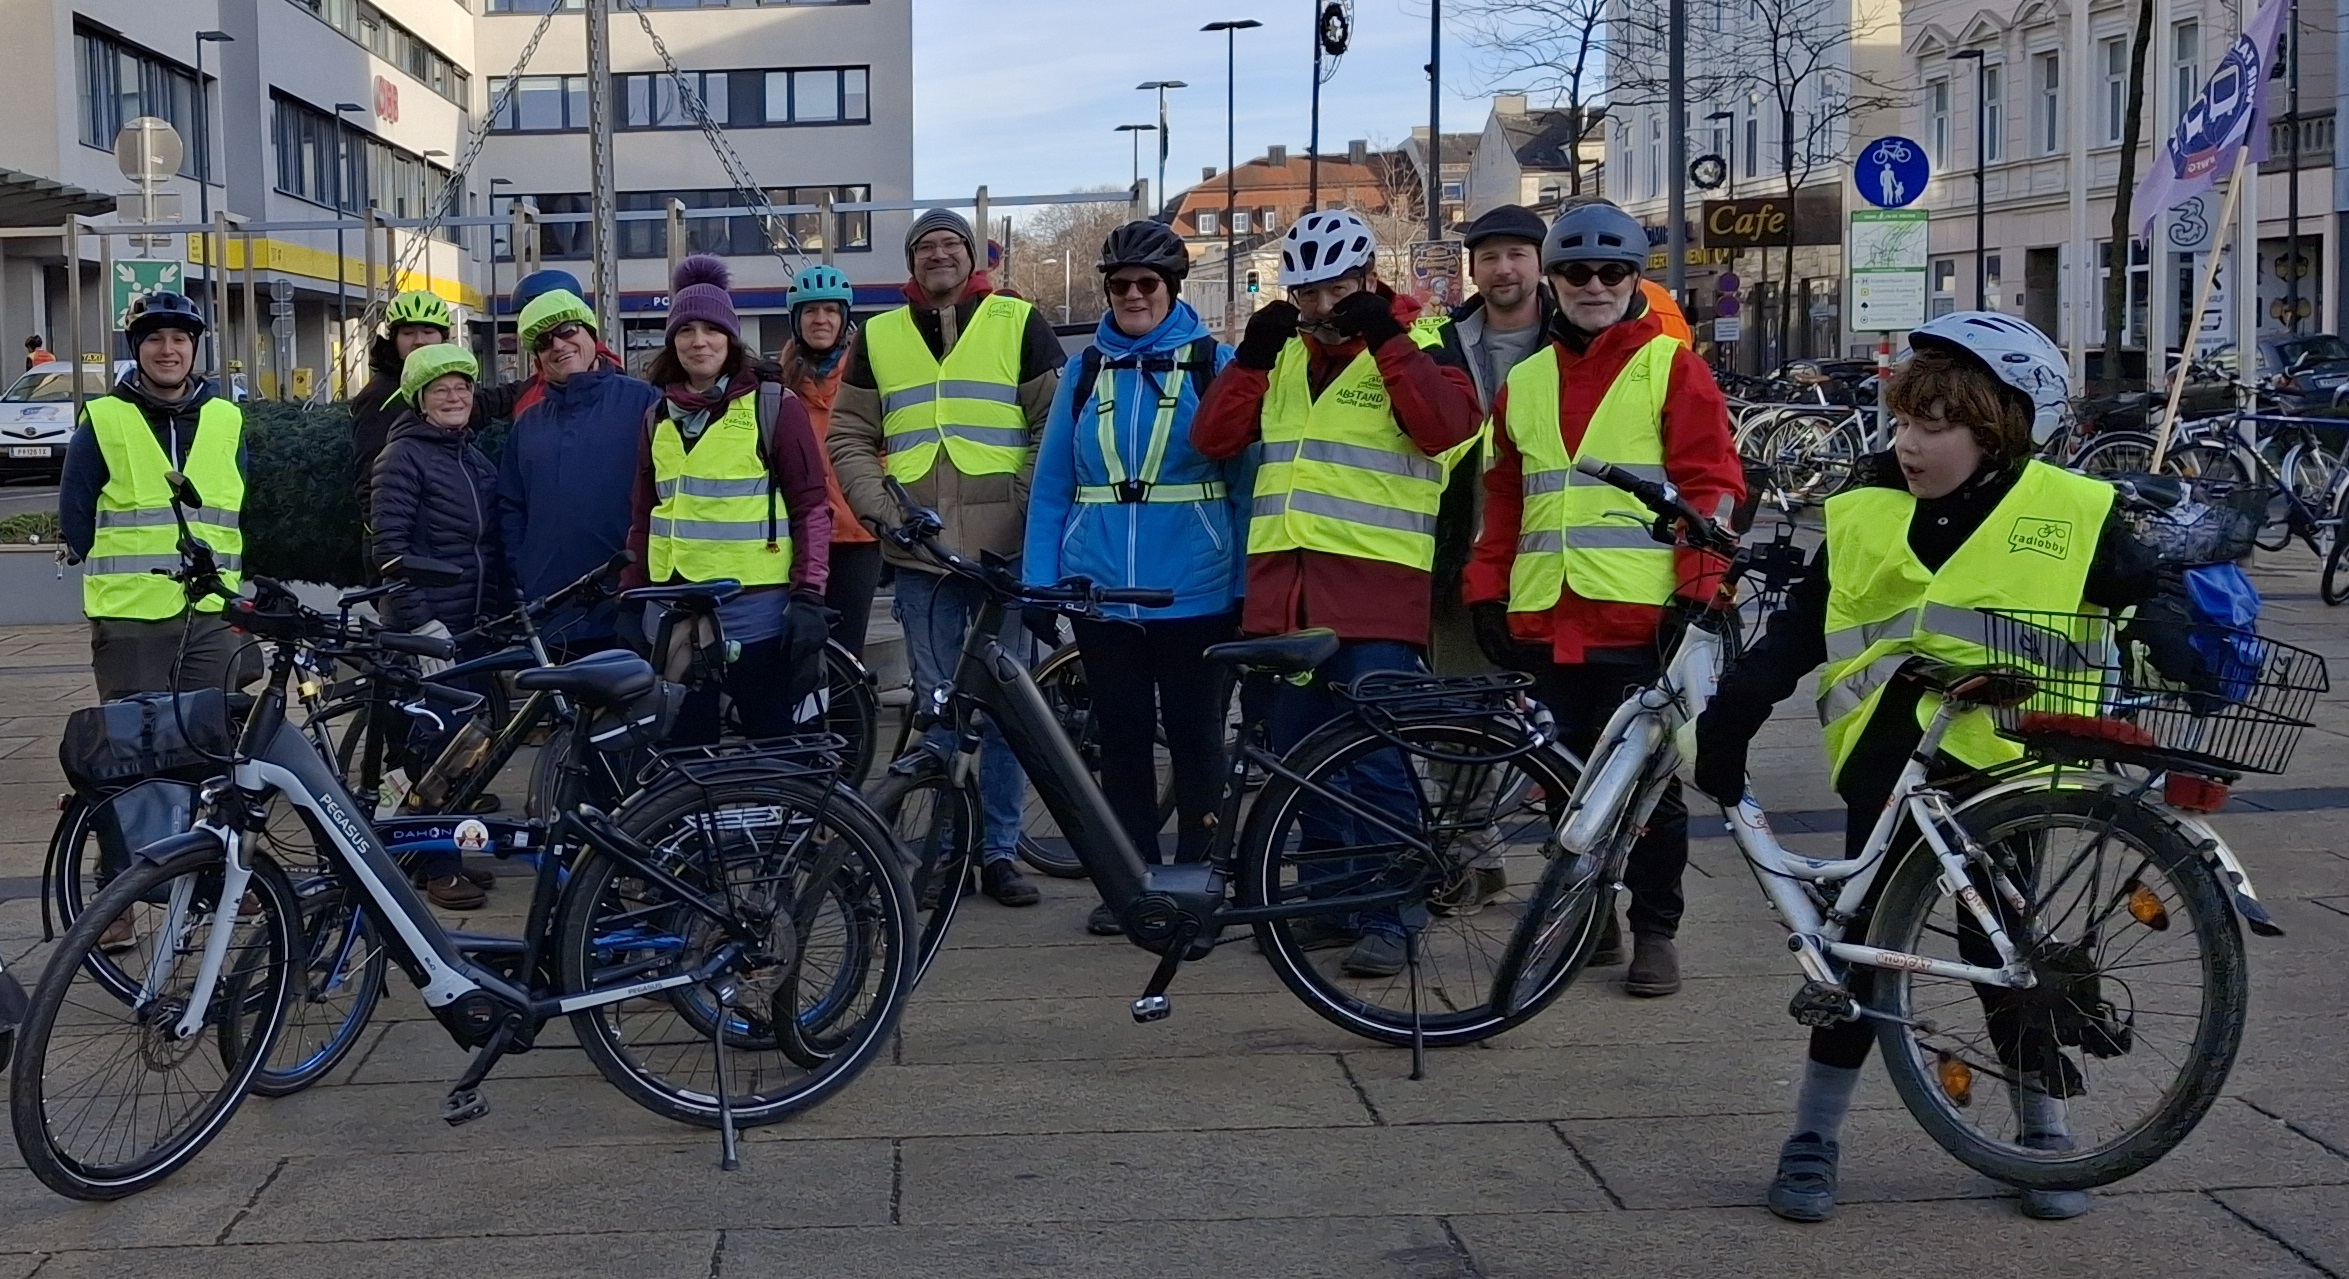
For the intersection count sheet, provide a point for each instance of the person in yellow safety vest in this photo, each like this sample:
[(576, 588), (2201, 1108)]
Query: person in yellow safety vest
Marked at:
[(114, 508), (948, 395), (1358, 410), (1928, 536), (1562, 586), (730, 487)]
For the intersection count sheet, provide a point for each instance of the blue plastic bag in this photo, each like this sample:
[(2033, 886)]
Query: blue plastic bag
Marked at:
[(2225, 607)]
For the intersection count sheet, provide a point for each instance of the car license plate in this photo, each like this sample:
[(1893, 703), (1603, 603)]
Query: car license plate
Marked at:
[(38, 450)]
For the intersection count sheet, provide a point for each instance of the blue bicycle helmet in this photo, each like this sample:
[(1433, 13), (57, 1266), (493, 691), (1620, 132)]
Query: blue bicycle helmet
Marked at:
[(530, 287), (822, 284)]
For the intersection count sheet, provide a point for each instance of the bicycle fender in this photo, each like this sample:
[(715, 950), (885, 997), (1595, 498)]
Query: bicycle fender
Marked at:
[(165, 850)]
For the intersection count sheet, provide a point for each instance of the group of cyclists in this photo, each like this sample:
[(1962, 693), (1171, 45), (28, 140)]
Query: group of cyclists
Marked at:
[(1353, 463)]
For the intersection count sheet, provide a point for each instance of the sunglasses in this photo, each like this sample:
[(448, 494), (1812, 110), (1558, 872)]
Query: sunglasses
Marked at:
[(1143, 287), (1610, 274), (566, 330)]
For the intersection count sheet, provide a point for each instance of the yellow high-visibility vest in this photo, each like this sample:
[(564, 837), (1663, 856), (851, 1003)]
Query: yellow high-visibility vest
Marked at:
[(715, 510), (137, 533), (968, 406), (1570, 531)]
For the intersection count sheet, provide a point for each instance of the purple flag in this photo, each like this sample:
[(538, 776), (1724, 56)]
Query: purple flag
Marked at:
[(2230, 111)]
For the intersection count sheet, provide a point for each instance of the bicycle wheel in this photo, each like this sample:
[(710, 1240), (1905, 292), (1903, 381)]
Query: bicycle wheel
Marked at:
[(107, 1097), (341, 982), (937, 826), (2334, 588), (2109, 1062), (1479, 973), (2113, 453), (759, 848), (852, 710), (1062, 681), (1812, 455)]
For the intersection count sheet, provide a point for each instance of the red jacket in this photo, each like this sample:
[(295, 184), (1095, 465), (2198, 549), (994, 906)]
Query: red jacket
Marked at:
[(1699, 457), (1434, 401)]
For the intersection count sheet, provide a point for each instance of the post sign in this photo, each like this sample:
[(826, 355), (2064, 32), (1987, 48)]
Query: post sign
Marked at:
[(136, 276), (1766, 222), (1890, 269), (1891, 172), (1438, 273)]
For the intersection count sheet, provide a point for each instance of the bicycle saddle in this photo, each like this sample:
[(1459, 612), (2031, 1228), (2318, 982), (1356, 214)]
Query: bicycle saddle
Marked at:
[(1279, 654), (603, 679), (691, 596)]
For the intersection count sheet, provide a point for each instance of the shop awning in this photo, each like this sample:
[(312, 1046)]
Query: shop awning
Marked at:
[(28, 199)]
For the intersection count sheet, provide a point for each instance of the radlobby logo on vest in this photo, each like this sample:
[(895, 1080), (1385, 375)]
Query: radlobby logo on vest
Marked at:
[(2051, 538)]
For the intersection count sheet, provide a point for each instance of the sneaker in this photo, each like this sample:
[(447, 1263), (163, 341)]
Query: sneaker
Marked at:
[(2052, 1205), (1804, 1189), (1609, 951), (1376, 955), (1002, 881), (1103, 922), (454, 892), (1318, 932), (1471, 893), (1655, 967), (118, 937)]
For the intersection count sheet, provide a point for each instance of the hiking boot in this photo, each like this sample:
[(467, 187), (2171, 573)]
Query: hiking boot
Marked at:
[(1376, 955), (118, 937), (2051, 1205), (1609, 951), (1655, 967), (455, 892), (479, 878), (1002, 881), (1103, 922), (1804, 1189)]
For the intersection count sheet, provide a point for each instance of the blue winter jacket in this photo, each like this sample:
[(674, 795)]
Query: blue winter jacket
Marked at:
[(1198, 550), (567, 481)]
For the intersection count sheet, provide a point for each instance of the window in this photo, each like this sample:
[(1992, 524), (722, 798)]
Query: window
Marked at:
[(1937, 122), (653, 101), (854, 229), (1624, 148), (2047, 103), (1655, 154), (1994, 112), (741, 235), (371, 30), (1208, 221), (2185, 65), (819, 95), (2134, 295), (328, 162), (2116, 86), (1753, 145), (1944, 299), (541, 104), (1241, 218), (120, 83), (1267, 220)]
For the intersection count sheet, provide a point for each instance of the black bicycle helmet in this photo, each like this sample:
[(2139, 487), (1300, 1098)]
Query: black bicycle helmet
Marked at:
[(161, 310), (1146, 244)]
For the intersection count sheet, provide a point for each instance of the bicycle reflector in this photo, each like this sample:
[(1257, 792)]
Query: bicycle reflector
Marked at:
[(2145, 907), (2192, 794), (1957, 1080)]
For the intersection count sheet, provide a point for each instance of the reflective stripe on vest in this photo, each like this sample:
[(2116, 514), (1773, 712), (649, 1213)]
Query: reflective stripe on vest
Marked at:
[(715, 515), (1337, 474), (1883, 606), (1570, 533), (1142, 485), (968, 406), (137, 533)]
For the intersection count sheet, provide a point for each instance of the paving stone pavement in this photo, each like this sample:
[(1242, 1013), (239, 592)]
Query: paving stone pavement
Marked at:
[(1025, 1126)]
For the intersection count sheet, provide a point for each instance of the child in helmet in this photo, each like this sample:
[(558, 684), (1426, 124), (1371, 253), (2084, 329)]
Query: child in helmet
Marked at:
[(1942, 502)]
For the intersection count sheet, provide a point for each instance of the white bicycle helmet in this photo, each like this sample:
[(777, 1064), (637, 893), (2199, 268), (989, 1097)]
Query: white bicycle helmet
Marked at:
[(1323, 246), (2017, 352)]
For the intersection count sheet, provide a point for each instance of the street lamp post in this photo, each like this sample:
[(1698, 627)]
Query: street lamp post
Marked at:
[(204, 197), (342, 296), (1137, 130), (1162, 86), (1231, 160), (1981, 160), (494, 184), (1067, 283)]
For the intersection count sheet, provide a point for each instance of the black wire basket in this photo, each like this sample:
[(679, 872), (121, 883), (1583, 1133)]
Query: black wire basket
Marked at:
[(2241, 711)]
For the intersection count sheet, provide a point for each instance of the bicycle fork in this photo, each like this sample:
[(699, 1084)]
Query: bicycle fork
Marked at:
[(235, 877)]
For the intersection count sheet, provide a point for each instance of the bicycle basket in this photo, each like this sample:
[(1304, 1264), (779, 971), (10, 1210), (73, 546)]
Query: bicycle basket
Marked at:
[(2102, 700), (2212, 522), (149, 735)]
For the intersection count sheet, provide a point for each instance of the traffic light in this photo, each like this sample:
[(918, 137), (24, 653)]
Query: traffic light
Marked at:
[(1251, 281)]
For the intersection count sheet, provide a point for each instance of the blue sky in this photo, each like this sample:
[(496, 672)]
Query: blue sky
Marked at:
[(1024, 95)]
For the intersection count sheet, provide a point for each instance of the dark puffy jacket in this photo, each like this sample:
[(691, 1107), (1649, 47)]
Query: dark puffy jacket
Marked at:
[(432, 498)]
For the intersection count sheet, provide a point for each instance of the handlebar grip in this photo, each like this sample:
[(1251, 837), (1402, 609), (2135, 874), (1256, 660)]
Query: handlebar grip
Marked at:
[(1140, 597), (418, 645)]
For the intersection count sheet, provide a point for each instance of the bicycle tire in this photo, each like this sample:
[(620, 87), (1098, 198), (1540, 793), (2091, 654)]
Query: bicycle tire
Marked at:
[(642, 937), (208, 1112), (337, 929), (1453, 1010), (2113, 453), (935, 824), (2333, 586), (852, 710), (2018, 824)]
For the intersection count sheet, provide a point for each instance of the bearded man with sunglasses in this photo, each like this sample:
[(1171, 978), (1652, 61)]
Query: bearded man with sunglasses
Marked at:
[(1563, 586)]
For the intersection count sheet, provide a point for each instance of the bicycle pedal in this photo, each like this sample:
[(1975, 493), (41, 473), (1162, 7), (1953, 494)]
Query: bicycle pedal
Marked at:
[(463, 1107), (1821, 1004), (1150, 1008)]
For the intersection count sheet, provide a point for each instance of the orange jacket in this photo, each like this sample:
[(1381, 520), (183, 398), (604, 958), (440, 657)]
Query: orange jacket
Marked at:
[(1661, 305)]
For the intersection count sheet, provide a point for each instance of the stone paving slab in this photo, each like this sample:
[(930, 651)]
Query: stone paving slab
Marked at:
[(2312, 1220), (642, 1253), (1298, 1247)]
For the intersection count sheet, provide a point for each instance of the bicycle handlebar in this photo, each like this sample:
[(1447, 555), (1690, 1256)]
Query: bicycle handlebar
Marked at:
[(1666, 502), (1076, 594)]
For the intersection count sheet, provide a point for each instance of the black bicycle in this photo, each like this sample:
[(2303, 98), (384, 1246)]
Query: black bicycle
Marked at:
[(1403, 813)]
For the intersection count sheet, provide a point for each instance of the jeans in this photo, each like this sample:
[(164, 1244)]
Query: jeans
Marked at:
[(1380, 780), (1147, 675), (936, 612)]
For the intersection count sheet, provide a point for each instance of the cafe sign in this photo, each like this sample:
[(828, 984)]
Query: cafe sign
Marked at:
[(1757, 222)]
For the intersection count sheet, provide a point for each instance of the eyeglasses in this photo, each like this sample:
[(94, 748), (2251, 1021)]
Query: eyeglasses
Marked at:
[(1610, 274), (1144, 286), (565, 331)]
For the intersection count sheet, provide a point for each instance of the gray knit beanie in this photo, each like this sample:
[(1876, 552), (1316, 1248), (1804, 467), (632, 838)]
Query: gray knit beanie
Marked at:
[(939, 220)]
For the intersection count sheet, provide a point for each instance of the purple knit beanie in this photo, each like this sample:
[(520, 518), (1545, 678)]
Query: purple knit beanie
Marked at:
[(699, 293)]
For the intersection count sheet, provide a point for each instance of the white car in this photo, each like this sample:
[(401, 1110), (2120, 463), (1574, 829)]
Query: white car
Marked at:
[(36, 417)]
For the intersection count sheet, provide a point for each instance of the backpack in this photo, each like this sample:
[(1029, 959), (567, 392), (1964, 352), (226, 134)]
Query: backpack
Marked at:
[(2224, 606), (1198, 363)]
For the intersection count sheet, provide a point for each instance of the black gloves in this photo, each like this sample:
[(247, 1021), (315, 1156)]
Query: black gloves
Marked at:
[(1044, 624), (1368, 316), (1491, 622), (1268, 331), (1720, 761)]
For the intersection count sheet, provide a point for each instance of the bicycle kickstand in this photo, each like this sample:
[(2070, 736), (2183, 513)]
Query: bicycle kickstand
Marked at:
[(729, 1145), (1418, 1030)]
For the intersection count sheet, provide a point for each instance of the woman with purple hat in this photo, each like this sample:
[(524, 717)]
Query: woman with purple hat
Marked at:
[(730, 486)]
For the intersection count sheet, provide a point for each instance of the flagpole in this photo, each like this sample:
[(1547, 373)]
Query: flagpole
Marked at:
[(2218, 244)]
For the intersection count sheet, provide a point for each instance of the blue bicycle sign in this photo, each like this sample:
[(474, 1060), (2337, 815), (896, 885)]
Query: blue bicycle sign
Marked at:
[(1891, 172)]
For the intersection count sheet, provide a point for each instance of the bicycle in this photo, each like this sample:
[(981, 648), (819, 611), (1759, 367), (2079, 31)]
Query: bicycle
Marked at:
[(745, 901), (2304, 478), (1984, 918), (1472, 779)]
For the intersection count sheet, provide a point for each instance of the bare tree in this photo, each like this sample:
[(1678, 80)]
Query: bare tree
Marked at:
[(2116, 284), (1057, 249), (1551, 51)]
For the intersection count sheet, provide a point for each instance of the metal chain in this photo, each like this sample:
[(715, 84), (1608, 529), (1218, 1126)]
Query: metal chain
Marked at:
[(779, 233)]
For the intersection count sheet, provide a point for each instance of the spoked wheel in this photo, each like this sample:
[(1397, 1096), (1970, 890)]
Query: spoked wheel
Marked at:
[(852, 709), (937, 828), (1062, 681), (1495, 944), (2111, 1059), (760, 848), (2113, 453), (340, 983), (1812, 456), (2335, 586), (110, 1092)]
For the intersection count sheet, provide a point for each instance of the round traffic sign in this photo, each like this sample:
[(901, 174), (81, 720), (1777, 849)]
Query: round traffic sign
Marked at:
[(1891, 172), (1726, 282), (147, 149), (1726, 304)]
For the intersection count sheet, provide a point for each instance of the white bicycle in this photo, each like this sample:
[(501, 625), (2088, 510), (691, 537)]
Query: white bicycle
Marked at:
[(2066, 935)]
